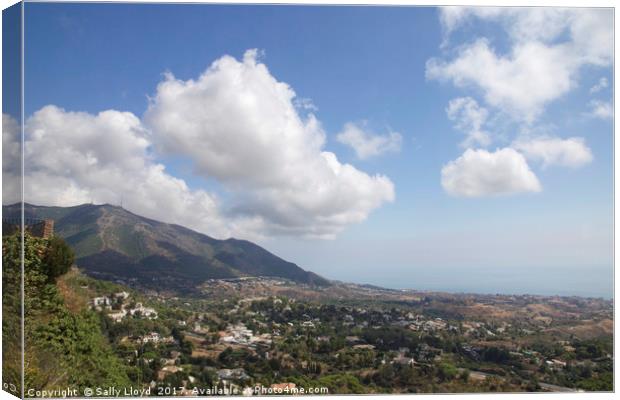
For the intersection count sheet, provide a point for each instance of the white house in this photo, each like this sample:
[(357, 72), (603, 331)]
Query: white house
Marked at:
[(147, 312), (121, 295), (118, 315), (101, 301)]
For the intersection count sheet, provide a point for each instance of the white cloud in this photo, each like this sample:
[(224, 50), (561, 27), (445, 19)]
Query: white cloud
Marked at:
[(536, 62), (11, 160), (571, 152), (548, 47), (588, 30), (74, 157), (11, 148), (304, 103), (520, 84), (521, 23), (600, 85), (239, 125), (479, 173), (236, 124), (367, 144), (601, 109), (469, 118)]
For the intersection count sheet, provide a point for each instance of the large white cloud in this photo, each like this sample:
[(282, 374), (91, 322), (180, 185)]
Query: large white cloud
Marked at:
[(479, 173), (367, 144), (571, 152), (547, 49), (240, 126), (74, 157), (237, 124), (469, 117)]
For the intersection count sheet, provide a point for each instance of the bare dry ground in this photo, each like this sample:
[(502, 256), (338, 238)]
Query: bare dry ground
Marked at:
[(587, 329), (76, 297)]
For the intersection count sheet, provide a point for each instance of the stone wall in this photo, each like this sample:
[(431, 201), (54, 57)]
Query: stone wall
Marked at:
[(39, 228)]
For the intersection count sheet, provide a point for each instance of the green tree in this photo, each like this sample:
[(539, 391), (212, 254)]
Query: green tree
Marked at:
[(447, 371), (58, 258)]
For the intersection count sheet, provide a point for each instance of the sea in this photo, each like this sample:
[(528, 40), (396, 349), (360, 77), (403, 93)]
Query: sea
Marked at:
[(583, 282)]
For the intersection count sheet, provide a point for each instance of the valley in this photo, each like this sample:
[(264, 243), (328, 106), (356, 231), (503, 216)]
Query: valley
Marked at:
[(268, 332)]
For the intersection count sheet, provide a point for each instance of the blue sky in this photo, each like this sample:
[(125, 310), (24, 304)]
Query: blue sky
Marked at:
[(532, 204)]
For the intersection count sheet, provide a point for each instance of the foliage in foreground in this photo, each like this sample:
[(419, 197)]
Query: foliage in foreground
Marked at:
[(55, 339)]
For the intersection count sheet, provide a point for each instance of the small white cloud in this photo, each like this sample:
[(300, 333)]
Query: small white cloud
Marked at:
[(571, 152), (602, 84), (367, 144), (478, 173), (304, 103), (469, 118), (601, 109)]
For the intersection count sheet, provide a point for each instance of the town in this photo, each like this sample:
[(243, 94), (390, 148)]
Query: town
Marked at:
[(269, 334)]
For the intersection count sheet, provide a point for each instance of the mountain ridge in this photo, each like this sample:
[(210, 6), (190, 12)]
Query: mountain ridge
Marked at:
[(111, 241)]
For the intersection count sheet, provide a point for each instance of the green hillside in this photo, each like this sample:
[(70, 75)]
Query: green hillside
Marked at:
[(111, 242)]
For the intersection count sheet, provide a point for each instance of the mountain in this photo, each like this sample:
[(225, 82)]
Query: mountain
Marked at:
[(113, 243)]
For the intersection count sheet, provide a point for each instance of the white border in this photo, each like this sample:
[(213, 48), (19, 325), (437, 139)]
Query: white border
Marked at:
[(523, 3)]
